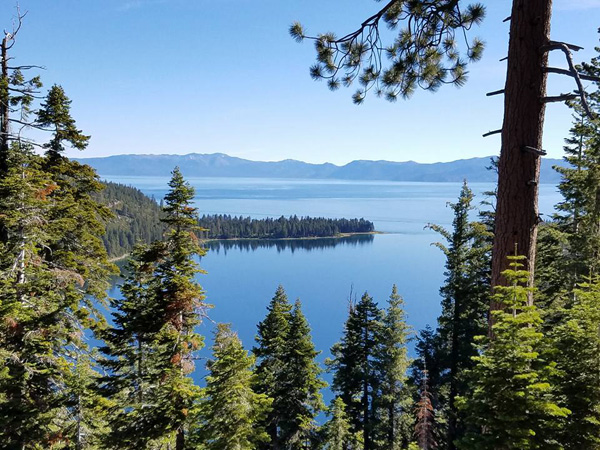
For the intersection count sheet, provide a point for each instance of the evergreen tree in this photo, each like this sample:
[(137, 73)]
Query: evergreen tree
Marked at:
[(512, 405), (150, 350), (465, 302), (355, 367), (231, 411), (425, 423), (53, 263), (394, 401), (271, 369), (576, 347), (302, 401), (336, 431)]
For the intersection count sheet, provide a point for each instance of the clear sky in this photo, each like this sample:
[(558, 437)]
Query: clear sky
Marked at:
[(182, 76)]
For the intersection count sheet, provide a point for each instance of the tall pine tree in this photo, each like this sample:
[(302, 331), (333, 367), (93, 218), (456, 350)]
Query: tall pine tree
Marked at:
[(154, 339), (231, 411), (465, 302), (355, 367)]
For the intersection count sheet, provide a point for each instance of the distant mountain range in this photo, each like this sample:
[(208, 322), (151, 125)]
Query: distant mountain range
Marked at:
[(221, 165)]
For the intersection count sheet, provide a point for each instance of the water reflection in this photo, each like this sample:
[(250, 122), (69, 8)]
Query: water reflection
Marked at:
[(289, 244)]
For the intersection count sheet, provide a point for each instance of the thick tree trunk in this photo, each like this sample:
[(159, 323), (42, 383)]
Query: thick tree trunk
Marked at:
[(180, 440), (519, 170)]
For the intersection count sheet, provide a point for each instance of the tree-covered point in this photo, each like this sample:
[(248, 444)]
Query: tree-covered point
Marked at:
[(137, 219), (232, 227)]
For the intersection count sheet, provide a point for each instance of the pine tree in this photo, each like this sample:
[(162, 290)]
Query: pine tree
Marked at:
[(272, 338), (336, 431), (231, 411), (53, 264), (575, 343), (512, 405), (425, 423), (302, 401), (355, 367), (150, 350), (465, 302), (394, 401)]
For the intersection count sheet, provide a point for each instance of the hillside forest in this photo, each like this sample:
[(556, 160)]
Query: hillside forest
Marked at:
[(137, 218), (523, 375)]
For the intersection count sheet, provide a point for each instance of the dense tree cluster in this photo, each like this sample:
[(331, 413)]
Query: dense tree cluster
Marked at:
[(232, 227), (136, 218)]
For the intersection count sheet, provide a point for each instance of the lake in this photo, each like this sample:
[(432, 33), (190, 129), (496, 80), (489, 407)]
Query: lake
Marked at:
[(324, 273)]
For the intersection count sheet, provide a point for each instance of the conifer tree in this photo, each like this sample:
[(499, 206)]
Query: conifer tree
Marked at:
[(53, 264), (394, 401), (150, 350), (575, 343), (425, 415), (302, 401), (465, 302), (336, 431), (355, 367), (272, 338), (512, 405), (231, 411)]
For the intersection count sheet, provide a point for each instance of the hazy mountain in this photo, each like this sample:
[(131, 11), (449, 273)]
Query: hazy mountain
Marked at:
[(221, 165)]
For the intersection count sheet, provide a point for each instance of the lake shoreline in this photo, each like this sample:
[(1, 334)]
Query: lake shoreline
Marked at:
[(308, 238)]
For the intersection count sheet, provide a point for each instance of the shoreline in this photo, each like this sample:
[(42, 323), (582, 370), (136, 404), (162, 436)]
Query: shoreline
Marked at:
[(309, 238)]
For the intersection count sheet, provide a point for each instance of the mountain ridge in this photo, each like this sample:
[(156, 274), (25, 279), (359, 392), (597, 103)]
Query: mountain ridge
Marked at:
[(223, 165)]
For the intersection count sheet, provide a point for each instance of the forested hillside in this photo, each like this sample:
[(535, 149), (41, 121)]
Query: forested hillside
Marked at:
[(136, 218)]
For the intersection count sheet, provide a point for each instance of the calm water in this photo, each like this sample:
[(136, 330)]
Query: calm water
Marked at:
[(242, 277)]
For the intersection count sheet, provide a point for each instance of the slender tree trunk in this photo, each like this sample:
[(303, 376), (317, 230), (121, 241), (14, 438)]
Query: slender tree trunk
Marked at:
[(4, 108), (519, 170), (452, 420)]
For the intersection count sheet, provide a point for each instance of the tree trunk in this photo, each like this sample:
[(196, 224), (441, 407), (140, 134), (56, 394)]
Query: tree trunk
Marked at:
[(180, 441), (452, 420), (519, 170), (4, 108)]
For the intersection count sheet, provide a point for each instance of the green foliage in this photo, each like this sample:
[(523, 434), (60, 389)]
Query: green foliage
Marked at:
[(465, 305), (512, 404), (336, 431), (52, 264), (55, 115), (151, 347), (136, 219), (575, 344), (426, 53), (394, 402), (355, 366), (230, 412), (228, 227), (288, 373)]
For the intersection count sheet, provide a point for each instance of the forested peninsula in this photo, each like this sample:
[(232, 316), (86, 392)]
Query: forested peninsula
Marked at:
[(136, 218)]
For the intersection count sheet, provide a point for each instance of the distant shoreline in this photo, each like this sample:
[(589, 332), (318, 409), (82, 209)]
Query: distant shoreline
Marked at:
[(309, 238)]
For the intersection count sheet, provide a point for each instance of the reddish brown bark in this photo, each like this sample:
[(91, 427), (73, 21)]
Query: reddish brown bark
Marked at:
[(519, 170)]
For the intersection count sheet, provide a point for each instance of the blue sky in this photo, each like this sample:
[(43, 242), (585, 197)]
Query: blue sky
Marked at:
[(182, 76)]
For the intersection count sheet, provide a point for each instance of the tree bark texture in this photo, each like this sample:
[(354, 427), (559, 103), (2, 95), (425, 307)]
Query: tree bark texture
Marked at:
[(519, 170)]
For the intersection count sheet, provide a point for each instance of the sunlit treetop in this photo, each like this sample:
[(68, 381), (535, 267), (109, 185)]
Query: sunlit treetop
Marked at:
[(431, 48)]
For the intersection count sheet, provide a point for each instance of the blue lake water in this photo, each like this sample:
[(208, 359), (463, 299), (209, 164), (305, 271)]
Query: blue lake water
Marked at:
[(242, 277)]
